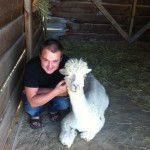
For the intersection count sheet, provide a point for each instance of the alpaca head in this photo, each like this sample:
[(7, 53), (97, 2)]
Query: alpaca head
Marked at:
[(75, 72)]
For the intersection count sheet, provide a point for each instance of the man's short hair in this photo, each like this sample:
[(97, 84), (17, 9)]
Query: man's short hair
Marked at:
[(52, 45)]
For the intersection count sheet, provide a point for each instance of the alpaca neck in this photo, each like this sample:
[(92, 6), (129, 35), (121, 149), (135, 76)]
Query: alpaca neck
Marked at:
[(79, 104)]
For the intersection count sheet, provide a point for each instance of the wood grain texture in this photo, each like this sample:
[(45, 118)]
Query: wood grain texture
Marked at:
[(118, 13), (7, 91), (9, 11), (28, 28), (10, 112), (8, 61), (36, 35), (10, 33)]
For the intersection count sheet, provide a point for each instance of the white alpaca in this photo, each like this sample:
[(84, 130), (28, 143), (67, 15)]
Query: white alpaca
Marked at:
[(88, 100)]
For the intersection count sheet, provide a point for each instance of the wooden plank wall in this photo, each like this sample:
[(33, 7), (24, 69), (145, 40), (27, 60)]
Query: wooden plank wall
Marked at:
[(12, 59), (13, 56), (86, 20)]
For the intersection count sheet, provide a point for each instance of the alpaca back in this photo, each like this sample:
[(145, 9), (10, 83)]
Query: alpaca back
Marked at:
[(95, 94)]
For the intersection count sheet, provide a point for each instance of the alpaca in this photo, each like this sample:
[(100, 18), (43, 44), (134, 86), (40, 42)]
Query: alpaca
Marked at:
[(88, 102)]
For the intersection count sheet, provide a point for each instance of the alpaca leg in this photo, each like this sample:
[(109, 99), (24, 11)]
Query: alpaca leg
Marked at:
[(89, 135), (68, 130), (67, 136)]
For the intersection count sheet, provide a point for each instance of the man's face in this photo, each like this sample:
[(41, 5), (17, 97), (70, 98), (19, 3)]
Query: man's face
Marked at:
[(50, 61)]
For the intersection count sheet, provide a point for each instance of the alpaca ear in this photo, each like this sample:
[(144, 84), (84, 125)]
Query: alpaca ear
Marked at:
[(63, 72), (88, 70)]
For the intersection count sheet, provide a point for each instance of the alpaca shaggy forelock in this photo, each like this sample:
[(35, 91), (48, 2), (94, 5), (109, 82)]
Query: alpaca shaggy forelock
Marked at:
[(75, 65), (75, 71)]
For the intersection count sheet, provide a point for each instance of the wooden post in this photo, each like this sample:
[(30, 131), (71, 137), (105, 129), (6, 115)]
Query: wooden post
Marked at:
[(28, 28), (132, 17)]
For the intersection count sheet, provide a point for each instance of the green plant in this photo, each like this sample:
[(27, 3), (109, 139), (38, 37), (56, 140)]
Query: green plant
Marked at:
[(41, 7)]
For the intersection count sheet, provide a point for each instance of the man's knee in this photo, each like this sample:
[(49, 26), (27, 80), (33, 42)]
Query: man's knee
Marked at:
[(33, 112)]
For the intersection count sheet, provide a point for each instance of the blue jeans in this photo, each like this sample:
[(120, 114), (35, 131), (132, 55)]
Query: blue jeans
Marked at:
[(54, 105)]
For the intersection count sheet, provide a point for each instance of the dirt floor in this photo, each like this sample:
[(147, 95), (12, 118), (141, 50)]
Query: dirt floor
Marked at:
[(126, 128), (125, 73)]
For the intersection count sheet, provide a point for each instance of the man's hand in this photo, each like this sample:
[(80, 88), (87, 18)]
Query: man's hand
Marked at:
[(62, 88)]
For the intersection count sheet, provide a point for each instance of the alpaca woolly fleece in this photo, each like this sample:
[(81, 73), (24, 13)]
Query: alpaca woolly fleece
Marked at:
[(88, 100)]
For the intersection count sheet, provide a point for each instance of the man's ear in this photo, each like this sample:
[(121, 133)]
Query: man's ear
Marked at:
[(63, 71)]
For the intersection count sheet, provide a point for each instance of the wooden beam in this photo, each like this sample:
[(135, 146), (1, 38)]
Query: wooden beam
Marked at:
[(111, 19), (28, 27), (140, 32), (132, 17)]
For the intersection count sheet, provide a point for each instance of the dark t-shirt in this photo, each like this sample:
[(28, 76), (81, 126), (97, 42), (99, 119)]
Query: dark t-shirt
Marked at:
[(35, 76)]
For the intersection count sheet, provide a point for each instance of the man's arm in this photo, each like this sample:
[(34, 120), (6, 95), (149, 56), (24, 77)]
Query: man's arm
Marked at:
[(37, 97)]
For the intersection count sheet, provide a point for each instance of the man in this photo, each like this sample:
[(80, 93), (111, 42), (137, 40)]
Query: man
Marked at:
[(44, 84)]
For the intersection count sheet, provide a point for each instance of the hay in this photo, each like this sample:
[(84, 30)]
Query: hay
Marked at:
[(41, 7), (120, 64)]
